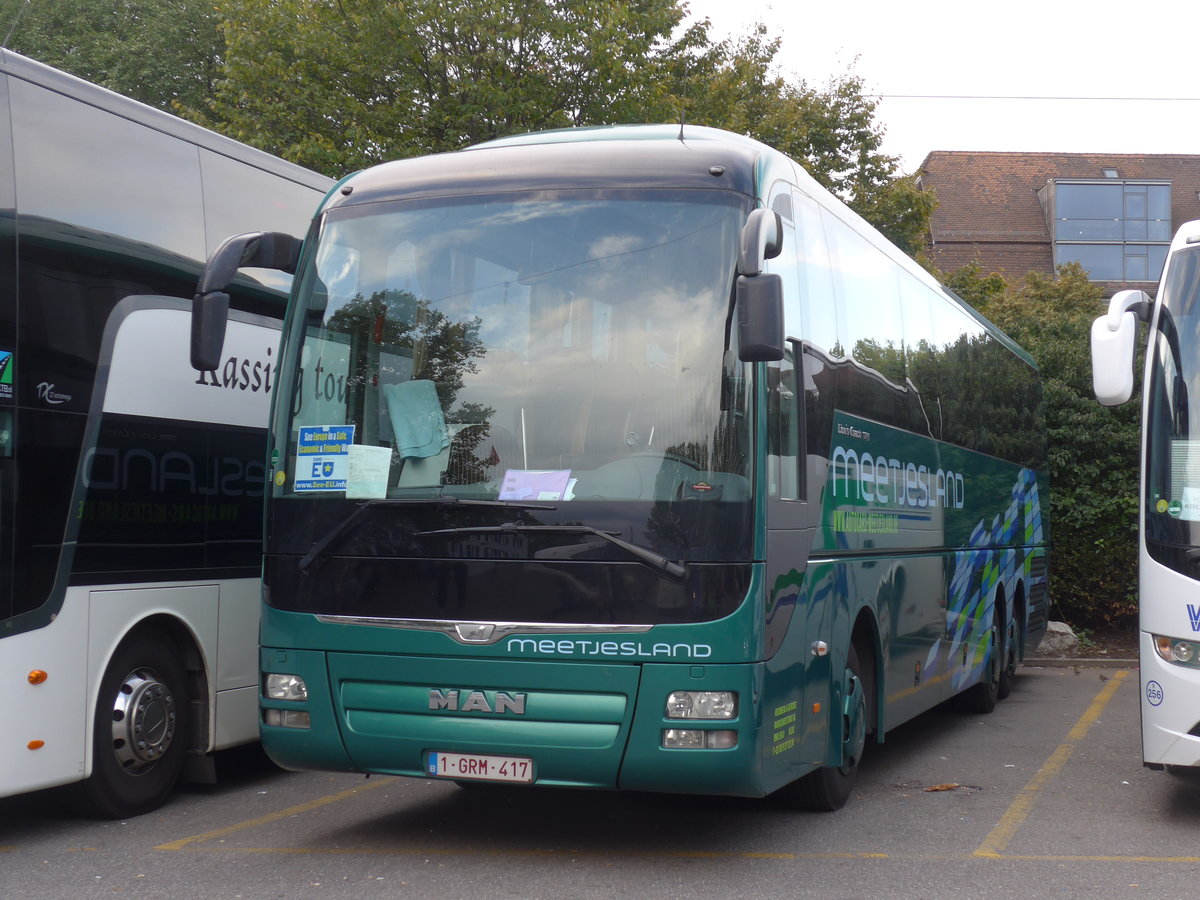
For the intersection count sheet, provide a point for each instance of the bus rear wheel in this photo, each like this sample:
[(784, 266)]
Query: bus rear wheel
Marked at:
[(140, 730), (828, 788), (1008, 674), (982, 697)]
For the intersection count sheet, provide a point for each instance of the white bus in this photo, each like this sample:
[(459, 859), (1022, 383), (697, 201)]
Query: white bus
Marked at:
[(130, 488), (1169, 521)]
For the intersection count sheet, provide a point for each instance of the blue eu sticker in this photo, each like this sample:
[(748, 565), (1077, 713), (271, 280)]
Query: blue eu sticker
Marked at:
[(323, 457)]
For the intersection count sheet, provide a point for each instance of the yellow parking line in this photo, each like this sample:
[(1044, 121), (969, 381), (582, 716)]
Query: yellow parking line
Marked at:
[(273, 817), (1018, 811), (1121, 859)]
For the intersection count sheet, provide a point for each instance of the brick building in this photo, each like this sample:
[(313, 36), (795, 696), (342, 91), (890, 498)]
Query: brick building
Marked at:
[(1016, 212)]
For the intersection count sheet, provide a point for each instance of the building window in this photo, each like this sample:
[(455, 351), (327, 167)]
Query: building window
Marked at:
[(1117, 230)]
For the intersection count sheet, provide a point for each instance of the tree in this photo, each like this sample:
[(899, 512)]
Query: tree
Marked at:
[(973, 286), (832, 130), (161, 52), (340, 84), (1093, 450)]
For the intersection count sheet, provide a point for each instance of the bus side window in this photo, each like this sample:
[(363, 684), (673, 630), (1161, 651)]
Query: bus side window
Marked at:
[(922, 355), (784, 473), (785, 481)]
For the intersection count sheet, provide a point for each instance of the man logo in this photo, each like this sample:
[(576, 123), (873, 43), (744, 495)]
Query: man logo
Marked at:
[(477, 701), (475, 632)]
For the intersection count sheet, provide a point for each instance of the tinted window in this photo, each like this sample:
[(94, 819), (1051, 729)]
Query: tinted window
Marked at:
[(133, 184), (871, 327), (251, 199), (818, 304), (8, 316)]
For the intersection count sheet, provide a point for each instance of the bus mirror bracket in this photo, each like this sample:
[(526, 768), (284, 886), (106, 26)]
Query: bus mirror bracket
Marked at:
[(210, 306), (761, 239), (1113, 338), (760, 318)]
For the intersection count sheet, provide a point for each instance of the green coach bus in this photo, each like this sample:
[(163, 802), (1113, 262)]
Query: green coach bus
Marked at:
[(630, 458)]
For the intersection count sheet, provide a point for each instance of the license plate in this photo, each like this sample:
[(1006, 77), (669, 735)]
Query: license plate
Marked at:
[(482, 768)]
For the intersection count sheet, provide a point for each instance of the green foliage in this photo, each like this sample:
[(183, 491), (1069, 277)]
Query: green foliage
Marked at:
[(162, 52), (899, 209), (831, 130), (973, 286), (340, 84), (1093, 450)]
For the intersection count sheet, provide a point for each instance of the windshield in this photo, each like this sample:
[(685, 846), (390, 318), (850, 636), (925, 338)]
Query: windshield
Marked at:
[(1173, 451), (566, 349)]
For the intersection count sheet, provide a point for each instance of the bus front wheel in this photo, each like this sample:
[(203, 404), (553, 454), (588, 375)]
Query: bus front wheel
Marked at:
[(828, 788), (140, 735)]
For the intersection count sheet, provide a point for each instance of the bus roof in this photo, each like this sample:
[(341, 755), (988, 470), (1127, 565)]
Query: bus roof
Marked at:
[(613, 158), (683, 133), (26, 69)]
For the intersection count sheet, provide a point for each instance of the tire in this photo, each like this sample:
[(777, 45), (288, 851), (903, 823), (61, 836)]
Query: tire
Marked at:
[(141, 730), (982, 697), (828, 788), (1008, 674)]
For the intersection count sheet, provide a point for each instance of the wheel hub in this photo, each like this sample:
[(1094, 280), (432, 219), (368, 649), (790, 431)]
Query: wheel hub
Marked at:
[(143, 721)]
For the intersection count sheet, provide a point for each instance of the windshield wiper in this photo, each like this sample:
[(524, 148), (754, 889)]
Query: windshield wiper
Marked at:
[(655, 561), (351, 521)]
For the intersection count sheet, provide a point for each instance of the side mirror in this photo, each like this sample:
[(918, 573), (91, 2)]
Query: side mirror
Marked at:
[(210, 306), (760, 318), (1113, 338), (759, 297), (210, 313)]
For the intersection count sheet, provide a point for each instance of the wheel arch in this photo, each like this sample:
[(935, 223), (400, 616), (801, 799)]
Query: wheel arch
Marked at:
[(1020, 616), (867, 641), (187, 645)]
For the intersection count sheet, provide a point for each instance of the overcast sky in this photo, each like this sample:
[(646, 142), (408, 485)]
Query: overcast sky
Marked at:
[(922, 57)]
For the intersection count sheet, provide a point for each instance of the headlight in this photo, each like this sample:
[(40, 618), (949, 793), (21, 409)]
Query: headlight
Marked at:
[(286, 718), (1175, 650), (284, 687), (698, 739), (702, 705)]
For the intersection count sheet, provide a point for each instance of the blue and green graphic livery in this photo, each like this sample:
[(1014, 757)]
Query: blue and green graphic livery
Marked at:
[(891, 490), (887, 482)]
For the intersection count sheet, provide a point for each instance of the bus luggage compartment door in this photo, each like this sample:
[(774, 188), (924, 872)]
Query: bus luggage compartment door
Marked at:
[(571, 719)]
